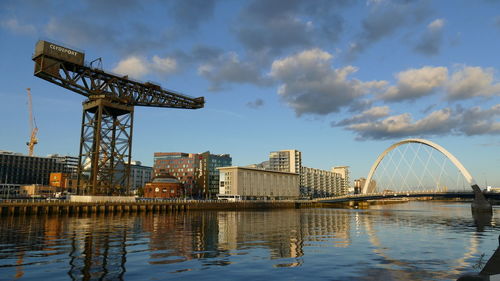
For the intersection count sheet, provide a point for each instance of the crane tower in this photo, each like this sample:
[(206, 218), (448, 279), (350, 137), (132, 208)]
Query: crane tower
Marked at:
[(33, 128), (108, 111)]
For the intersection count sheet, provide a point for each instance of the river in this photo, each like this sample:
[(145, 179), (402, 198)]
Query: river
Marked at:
[(409, 241)]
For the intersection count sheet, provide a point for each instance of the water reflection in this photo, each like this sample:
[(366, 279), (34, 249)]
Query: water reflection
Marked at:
[(482, 220), (395, 241), (96, 247), (285, 230)]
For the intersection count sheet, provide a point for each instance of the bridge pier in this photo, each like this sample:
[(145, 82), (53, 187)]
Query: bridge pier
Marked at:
[(480, 203)]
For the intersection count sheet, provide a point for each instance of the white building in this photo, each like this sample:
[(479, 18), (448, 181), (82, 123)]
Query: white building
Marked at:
[(320, 183), (344, 173), (139, 175), (252, 184), (285, 161)]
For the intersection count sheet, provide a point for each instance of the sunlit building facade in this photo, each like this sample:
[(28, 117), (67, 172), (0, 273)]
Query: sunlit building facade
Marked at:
[(285, 161), (317, 183), (163, 186), (257, 184)]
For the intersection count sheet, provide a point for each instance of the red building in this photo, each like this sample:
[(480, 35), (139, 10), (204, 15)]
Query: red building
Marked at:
[(163, 186)]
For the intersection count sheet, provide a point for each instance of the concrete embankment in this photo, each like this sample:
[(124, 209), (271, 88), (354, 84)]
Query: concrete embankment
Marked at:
[(27, 207)]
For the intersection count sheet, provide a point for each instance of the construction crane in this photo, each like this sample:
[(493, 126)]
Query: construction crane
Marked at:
[(107, 120), (33, 128)]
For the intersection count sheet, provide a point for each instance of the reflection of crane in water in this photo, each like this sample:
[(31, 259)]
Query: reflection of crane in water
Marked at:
[(98, 254), (379, 249)]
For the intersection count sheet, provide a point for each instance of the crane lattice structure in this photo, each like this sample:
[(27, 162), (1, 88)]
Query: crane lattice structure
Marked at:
[(107, 121)]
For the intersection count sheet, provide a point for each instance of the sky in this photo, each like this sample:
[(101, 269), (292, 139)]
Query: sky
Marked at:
[(338, 80)]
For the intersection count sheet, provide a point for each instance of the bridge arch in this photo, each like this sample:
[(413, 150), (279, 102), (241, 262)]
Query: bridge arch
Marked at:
[(436, 146)]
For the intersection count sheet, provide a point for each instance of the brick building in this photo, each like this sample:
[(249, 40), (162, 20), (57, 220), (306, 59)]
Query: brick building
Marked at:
[(163, 186)]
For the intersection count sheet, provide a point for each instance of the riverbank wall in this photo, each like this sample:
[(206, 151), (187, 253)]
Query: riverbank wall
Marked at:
[(27, 207)]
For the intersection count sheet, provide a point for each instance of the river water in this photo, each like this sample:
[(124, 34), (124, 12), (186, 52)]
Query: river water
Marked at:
[(410, 241)]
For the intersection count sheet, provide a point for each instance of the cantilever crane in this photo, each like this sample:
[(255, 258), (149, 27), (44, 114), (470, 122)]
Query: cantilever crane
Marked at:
[(33, 127), (106, 132)]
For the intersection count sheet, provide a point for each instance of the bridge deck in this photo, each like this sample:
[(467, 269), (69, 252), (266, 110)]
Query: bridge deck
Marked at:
[(409, 194)]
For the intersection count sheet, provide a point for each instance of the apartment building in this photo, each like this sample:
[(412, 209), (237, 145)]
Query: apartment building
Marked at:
[(285, 161), (316, 183)]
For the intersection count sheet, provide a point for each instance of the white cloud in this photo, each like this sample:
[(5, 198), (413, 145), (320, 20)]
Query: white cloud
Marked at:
[(470, 82), (375, 2), (403, 125), (138, 67), (164, 65), (311, 86), (431, 40), (436, 24), (371, 114), (459, 121), (227, 68), (384, 19), (415, 83), (476, 121), (15, 26), (133, 66)]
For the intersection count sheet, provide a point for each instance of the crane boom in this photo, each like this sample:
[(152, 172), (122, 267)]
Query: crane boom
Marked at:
[(90, 82), (33, 128)]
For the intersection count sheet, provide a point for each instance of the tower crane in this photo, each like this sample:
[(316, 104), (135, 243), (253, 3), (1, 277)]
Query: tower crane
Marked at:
[(108, 111), (33, 128)]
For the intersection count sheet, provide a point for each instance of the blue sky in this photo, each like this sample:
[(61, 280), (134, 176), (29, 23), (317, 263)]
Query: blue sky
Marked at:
[(339, 80)]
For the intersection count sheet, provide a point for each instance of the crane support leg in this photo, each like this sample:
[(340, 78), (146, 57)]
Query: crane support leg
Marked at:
[(105, 148)]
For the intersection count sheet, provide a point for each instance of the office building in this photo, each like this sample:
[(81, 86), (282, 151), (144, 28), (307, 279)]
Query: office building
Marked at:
[(70, 163), (16, 168), (196, 171), (285, 161), (139, 175), (208, 176), (257, 184)]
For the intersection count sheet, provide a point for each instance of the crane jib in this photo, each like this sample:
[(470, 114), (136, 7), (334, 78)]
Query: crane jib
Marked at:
[(65, 67)]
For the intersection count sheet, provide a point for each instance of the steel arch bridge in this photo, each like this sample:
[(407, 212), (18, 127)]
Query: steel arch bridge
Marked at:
[(431, 144), (479, 204)]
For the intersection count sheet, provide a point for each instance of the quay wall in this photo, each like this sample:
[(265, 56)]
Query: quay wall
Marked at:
[(27, 207)]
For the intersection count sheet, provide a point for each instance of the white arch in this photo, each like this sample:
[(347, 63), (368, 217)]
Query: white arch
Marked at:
[(436, 146)]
